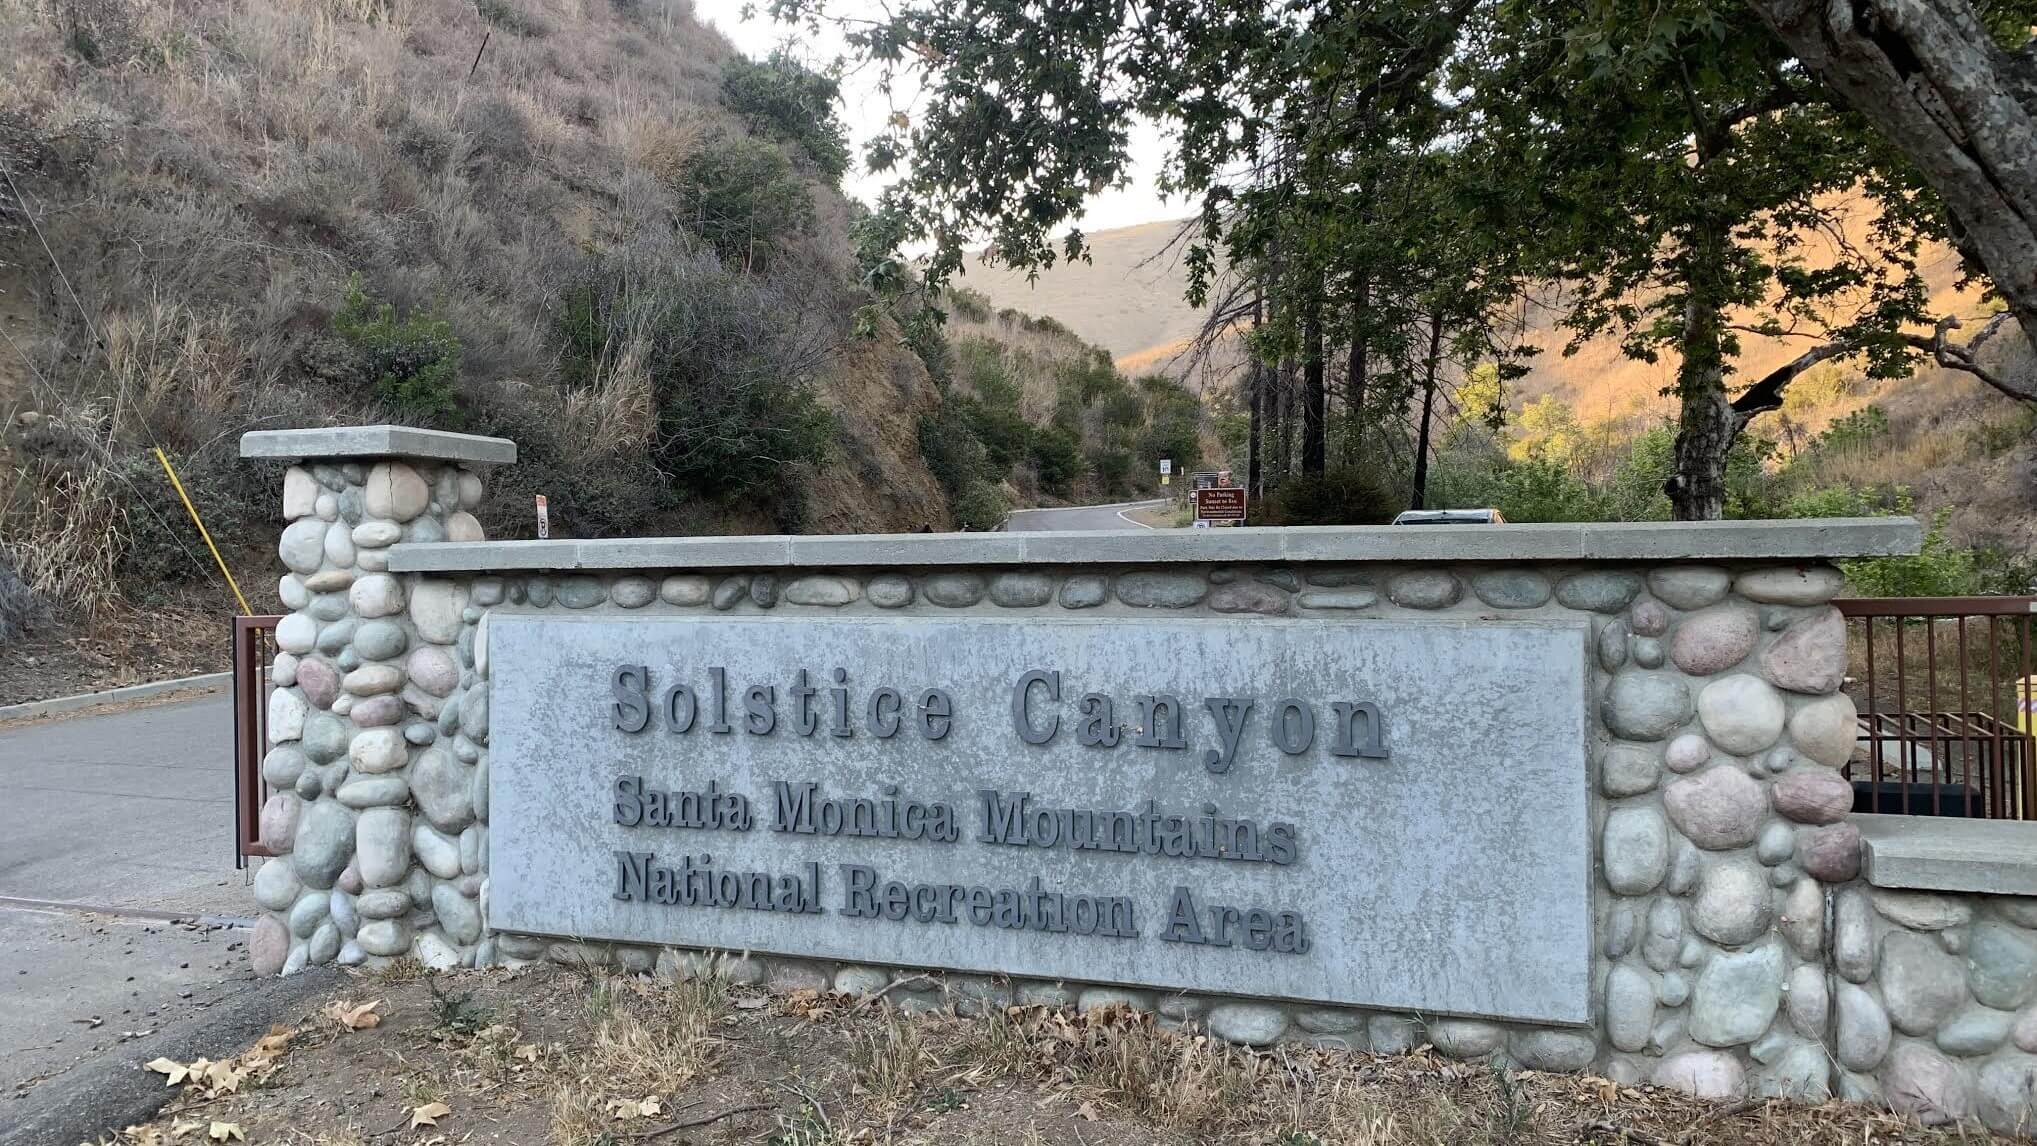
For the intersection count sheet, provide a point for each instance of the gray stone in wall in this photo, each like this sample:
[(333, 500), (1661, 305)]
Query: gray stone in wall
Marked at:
[(1630, 1007), (1733, 903), (1736, 995), (1629, 769), (1664, 939), (438, 854), (1825, 729), (889, 591), (1800, 1072), (1689, 587), (1617, 928), (460, 916), (633, 592), (2002, 963), (1635, 850), (1511, 588), (1424, 589), (1921, 910), (1612, 645), (731, 591), (1920, 983), (1647, 652), (1862, 1033), (764, 590), (854, 980), (1714, 1075), (1598, 591), (1084, 591), (684, 589), (1742, 713), (1974, 1031), (277, 885), (1807, 1000), (1802, 921), (2006, 1094), (1567, 1051), (1160, 589), (1249, 597), (325, 838), (1719, 809), (952, 590), (1790, 585), (1391, 1034), (1810, 656), (821, 590), (1927, 1086), (1021, 590), (373, 791), (1466, 1038), (1247, 1024), (1646, 705), (1776, 844), (581, 592), (1352, 597)]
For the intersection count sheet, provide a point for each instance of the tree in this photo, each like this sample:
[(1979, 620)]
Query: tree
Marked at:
[(1955, 90)]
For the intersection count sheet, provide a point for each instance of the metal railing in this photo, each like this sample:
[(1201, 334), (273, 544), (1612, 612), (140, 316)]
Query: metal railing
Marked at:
[(1943, 687), (254, 649)]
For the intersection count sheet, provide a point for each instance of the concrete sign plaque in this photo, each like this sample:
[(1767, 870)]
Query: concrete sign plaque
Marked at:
[(1386, 815)]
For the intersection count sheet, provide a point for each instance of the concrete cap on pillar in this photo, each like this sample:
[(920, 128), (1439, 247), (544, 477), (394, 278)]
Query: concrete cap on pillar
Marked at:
[(333, 442)]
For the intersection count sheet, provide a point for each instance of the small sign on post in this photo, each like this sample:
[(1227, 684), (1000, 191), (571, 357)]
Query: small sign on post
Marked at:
[(544, 519), (1220, 503), (1166, 469)]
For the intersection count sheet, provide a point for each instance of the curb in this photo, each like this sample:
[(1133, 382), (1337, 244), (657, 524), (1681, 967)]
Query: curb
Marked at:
[(112, 1089), (208, 682)]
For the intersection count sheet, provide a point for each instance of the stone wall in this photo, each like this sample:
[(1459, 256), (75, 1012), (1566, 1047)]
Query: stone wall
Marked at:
[(1724, 845)]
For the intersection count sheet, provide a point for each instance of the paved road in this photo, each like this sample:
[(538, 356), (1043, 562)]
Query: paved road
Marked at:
[(130, 813), (1083, 517)]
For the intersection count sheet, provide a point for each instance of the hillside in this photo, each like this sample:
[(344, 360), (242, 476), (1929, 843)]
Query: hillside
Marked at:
[(1945, 436), (594, 228)]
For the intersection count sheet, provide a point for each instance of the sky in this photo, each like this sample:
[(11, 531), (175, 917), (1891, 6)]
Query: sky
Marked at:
[(865, 108)]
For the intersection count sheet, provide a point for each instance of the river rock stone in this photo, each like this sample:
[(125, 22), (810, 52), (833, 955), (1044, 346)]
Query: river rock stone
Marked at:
[(1920, 983), (1664, 936), (464, 526), (2006, 1095), (373, 680), (395, 491), (269, 946), (1466, 1038), (1742, 713), (952, 590), (2002, 963), (1862, 1033), (382, 843), (277, 824), (324, 845), (1927, 1086), (1598, 592), (302, 546), (431, 668), (380, 640), (1257, 597), (319, 681), (1921, 910), (763, 590), (1974, 1031), (1715, 639), (439, 853), (1391, 1034), (325, 738), (631, 593), (1630, 1008), (1084, 591), (1853, 935), (1825, 729), (1689, 587), (1732, 904), (821, 590), (1802, 922), (283, 764), (441, 785), (1612, 645), (581, 592), (1810, 656), (1629, 769), (308, 912), (1711, 1075), (685, 589), (1647, 652), (1776, 844), (277, 885), (1718, 809), (300, 493), (339, 545), (376, 535), (1807, 1000), (1160, 589), (1813, 796), (384, 937), (460, 916), (1511, 588), (1646, 705), (1831, 853), (1246, 1024), (1736, 996), (1424, 589), (297, 633), (1806, 585), (1565, 1051), (1687, 753), (389, 790), (378, 750), (436, 609), (1635, 850)]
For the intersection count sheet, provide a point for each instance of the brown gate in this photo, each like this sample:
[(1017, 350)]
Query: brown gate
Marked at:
[(254, 649), (1943, 687)]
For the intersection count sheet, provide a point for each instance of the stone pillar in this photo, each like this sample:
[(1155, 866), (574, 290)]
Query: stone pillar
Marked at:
[(368, 767)]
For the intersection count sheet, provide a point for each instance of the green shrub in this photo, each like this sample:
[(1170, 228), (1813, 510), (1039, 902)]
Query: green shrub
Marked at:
[(1346, 495), (951, 450), (412, 362), (981, 507), (1540, 489), (786, 98), (973, 305), (735, 191), (1057, 455)]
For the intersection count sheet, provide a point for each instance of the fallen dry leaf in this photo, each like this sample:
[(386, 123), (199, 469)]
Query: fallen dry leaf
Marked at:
[(177, 1071), (354, 1018), (226, 1132), (429, 1114)]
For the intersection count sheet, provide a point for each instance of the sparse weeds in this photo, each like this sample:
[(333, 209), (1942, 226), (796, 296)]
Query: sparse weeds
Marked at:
[(456, 1012), (653, 1038)]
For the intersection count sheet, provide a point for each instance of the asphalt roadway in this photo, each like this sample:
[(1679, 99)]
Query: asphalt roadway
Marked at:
[(1082, 517)]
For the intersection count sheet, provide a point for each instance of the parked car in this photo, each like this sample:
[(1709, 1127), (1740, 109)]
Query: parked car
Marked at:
[(1450, 517)]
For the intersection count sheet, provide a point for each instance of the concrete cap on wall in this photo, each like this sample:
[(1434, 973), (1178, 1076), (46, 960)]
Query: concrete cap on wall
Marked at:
[(1812, 540), (335, 442)]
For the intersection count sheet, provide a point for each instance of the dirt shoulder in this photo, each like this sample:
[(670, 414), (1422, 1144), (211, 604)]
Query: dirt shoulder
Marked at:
[(188, 634), (581, 1058)]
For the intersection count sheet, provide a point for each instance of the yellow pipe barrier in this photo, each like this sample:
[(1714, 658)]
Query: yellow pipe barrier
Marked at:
[(203, 532)]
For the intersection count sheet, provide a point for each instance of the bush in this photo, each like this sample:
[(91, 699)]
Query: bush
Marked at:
[(1057, 455), (411, 362), (784, 97), (1346, 495), (951, 450), (981, 507), (160, 545), (735, 191), (973, 305)]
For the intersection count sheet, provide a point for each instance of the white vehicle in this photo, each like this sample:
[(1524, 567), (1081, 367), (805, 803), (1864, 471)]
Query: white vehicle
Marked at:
[(1450, 517)]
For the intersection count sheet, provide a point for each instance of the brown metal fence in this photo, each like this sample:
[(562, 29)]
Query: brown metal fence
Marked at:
[(1943, 685), (254, 649)]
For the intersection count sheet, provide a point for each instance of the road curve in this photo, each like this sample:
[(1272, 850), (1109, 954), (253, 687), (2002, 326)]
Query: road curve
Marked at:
[(1083, 517)]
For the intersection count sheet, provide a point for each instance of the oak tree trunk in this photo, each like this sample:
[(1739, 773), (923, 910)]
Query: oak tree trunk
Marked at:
[(1420, 496), (1927, 75)]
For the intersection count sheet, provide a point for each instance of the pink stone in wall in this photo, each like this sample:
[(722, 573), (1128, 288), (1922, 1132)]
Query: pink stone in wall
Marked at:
[(269, 946), (319, 680), (1649, 619), (377, 711), (1810, 656), (1719, 808), (1830, 854), (432, 669), (1715, 639), (278, 824), (1813, 796)]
